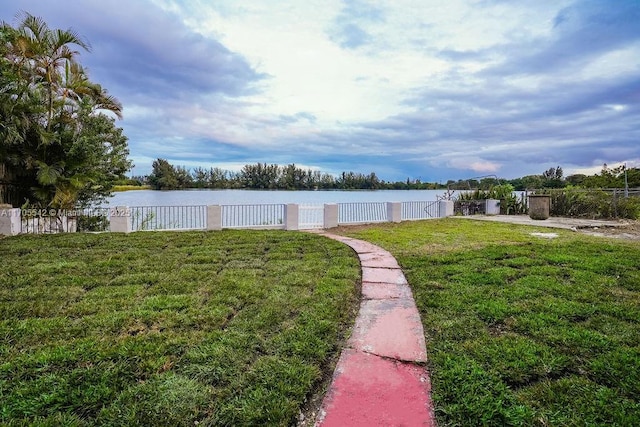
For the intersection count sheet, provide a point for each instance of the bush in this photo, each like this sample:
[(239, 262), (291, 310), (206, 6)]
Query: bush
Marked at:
[(509, 203), (93, 223), (629, 208), (593, 204)]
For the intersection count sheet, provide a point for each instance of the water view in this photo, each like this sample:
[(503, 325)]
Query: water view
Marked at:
[(250, 197)]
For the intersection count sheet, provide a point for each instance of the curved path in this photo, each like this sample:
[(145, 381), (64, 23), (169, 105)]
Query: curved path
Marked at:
[(380, 379)]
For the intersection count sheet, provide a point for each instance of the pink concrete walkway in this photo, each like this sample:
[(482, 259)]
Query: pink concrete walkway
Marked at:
[(380, 379)]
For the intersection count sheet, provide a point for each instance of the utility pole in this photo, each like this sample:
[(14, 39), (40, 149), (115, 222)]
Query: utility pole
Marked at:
[(626, 183)]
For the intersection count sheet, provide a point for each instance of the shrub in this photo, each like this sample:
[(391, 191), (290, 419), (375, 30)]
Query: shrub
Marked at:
[(93, 223), (629, 208), (594, 204), (509, 203)]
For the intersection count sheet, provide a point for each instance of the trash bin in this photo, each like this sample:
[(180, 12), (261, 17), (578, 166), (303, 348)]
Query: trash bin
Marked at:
[(539, 206)]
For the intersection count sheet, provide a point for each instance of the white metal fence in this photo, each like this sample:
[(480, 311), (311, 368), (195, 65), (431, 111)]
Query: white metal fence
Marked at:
[(168, 217), (44, 224), (420, 210), (268, 216), (253, 216), (310, 216), (53, 221), (354, 213)]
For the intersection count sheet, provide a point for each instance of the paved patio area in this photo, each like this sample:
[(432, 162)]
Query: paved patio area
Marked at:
[(551, 222), (618, 229)]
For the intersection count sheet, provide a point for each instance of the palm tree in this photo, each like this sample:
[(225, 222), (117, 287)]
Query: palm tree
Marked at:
[(45, 54), (58, 100), (78, 94)]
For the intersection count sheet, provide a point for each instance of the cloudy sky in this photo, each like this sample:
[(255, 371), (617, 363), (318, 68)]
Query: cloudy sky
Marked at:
[(429, 89)]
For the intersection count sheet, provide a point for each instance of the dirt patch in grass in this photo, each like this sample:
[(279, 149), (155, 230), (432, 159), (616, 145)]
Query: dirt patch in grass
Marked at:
[(628, 231)]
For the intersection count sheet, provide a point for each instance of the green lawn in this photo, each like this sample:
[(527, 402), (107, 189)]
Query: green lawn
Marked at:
[(523, 330), (218, 328)]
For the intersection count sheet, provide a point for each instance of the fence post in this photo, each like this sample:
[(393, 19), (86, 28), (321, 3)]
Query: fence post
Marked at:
[(445, 208), (214, 217), (120, 220), (291, 214), (394, 211), (10, 221), (330, 215), (492, 207)]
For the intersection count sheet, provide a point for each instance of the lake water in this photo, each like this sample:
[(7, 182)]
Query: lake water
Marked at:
[(251, 197)]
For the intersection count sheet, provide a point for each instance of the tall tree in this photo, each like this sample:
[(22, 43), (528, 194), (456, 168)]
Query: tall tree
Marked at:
[(164, 176), (57, 145)]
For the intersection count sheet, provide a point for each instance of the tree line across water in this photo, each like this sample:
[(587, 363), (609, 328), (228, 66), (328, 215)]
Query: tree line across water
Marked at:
[(165, 176), (263, 176)]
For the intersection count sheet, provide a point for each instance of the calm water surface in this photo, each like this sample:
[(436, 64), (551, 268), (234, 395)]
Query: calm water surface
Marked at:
[(250, 197)]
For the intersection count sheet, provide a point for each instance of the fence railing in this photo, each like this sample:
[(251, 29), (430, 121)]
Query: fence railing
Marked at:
[(363, 212), (420, 210), (469, 207), (52, 221), (215, 217), (48, 224), (253, 216), (310, 216), (168, 217)]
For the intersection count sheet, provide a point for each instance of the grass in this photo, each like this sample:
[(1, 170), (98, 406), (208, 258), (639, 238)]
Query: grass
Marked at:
[(118, 188), (523, 330), (218, 328)]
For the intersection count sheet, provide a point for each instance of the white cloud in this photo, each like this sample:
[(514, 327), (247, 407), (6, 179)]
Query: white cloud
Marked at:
[(597, 167), (475, 164), (466, 86), (614, 64)]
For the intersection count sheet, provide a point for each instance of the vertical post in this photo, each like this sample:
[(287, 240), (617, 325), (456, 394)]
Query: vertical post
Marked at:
[(445, 208), (394, 211), (214, 217), (330, 215), (492, 207), (120, 220), (626, 183), (10, 221), (291, 217)]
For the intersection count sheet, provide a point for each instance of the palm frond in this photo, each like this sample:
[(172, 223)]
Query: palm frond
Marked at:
[(48, 174)]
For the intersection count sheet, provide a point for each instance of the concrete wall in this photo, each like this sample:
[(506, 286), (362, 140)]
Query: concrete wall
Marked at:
[(394, 211), (492, 207), (10, 221), (214, 217), (331, 215), (445, 208), (291, 215), (120, 220)]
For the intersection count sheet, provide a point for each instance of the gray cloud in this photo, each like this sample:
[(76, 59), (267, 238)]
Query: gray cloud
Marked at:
[(351, 36), (581, 32), (150, 60), (142, 50), (527, 106), (298, 117), (347, 30)]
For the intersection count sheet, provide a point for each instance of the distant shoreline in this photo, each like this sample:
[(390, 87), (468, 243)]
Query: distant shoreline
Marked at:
[(120, 188)]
